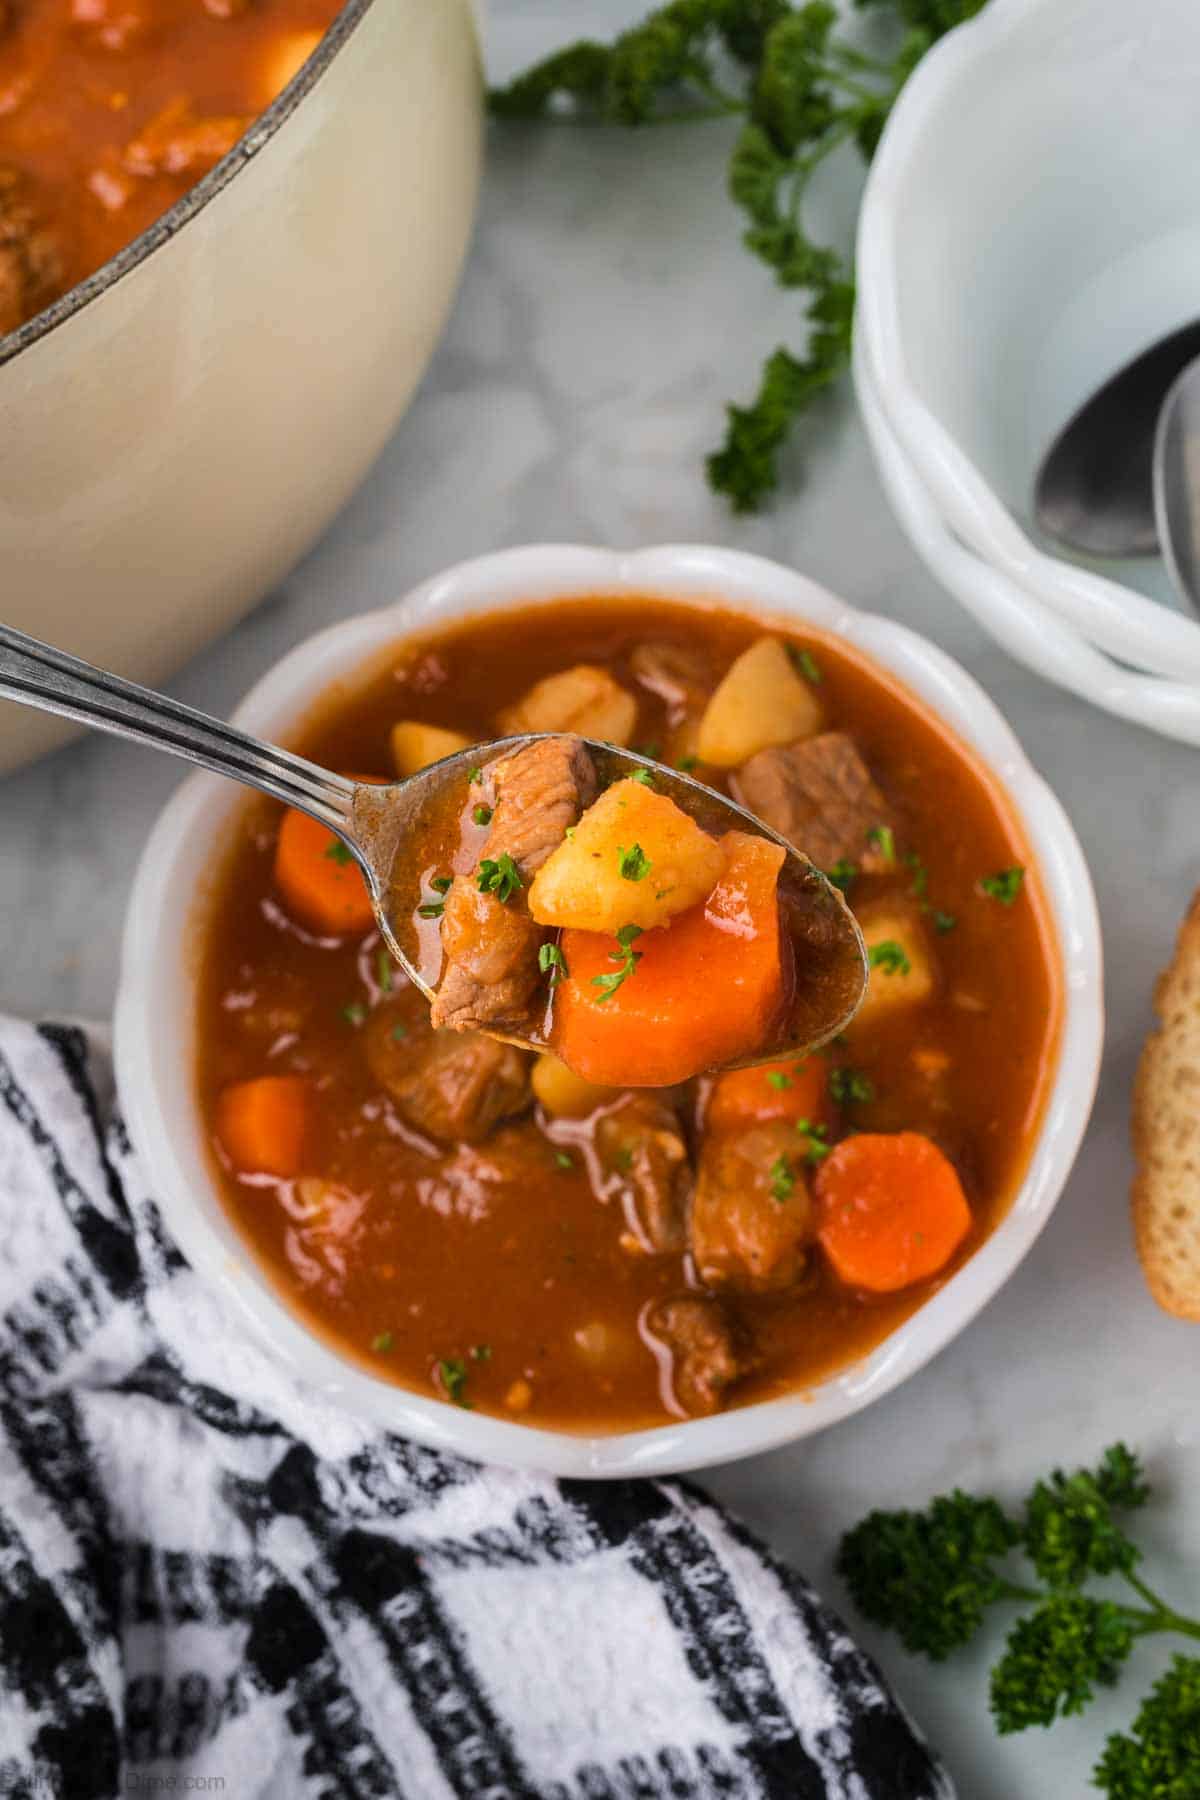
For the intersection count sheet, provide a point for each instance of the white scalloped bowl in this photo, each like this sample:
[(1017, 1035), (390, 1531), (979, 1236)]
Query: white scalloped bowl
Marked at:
[(1024, 230), (155, 1007)]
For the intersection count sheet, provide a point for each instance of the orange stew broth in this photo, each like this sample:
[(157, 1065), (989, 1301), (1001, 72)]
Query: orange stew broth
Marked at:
[(110, 110), (495, 1256)]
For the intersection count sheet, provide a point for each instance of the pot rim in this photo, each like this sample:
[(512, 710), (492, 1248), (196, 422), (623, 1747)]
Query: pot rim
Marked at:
[(169, 223)]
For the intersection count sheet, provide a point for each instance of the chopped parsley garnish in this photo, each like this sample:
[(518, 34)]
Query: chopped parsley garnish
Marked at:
[(570, 831), (650, 750), (1004, 885), (818, 1140), (891, 957), (562, 1160), (920, 875), (687, 763), (452, 1373), (842, 874), (624, 1158), (783, 1180), (663, 892), (338, 853), (552, 962), (626, 956), (383, 970), (433, 909), (500, 876), (642, 775), (399, 1033), (475, 776), (384, 1341), (482, 815), (634, 864), (777, 1079), (883, 839), (806, 663), (846, 1086), (480, 1353), (944, 922), (354, 1013)]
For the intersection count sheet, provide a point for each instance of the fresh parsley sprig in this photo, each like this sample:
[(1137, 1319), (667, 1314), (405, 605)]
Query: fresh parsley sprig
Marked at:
[(800, 92), (932, 1576)]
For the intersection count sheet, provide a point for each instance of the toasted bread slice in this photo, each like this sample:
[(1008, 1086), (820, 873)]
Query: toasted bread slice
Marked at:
[(1166, 1132)]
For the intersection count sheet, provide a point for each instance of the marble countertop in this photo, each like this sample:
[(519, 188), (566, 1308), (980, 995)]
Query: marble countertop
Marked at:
[(605, 315)]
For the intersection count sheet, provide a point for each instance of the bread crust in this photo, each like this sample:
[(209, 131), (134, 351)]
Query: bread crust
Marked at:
[(1166, 1132)]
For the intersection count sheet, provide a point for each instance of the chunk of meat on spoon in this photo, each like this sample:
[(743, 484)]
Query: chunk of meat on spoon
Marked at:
[(491, 944)]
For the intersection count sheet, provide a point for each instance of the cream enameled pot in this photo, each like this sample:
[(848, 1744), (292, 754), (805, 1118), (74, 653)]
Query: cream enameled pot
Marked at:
[(179, 428)]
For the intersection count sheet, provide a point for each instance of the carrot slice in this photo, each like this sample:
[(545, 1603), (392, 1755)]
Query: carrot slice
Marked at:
[(704, 990), (891, 1210), (262, 1125), (794, 1089), (320, 881)]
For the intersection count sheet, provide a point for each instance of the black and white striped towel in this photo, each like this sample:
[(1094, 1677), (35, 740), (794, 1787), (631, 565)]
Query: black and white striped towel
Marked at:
[(210, 1584)]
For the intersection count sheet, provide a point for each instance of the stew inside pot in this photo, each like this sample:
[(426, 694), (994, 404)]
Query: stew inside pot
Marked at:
[(500, 1229), (110, 110)]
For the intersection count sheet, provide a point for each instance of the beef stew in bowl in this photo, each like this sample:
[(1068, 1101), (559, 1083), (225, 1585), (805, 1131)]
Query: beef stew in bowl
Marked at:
[(478, 1224)]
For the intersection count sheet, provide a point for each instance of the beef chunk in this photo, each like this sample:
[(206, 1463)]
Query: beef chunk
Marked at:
[(31, 266), (452, 1086), (679, 674), (641, 1142), (818, 794), (752, 1217), (490, 946), (706, 1350)]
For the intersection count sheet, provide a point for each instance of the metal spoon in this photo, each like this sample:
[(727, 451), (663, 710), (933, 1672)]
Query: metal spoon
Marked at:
[(1094, 490), (1177, 483), (383, 826)]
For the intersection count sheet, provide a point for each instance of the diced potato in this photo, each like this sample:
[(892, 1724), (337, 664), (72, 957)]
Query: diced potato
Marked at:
[(896, 937), (635, 859), (415, 746), (761, 702), (583, 699), (563, 1093)]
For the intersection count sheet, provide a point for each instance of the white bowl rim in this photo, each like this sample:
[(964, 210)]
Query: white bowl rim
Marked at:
[(1105, 613), (1028, 630), (157, 1091)]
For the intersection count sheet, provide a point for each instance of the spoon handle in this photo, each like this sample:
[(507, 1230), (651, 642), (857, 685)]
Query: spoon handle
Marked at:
[(35, 674)]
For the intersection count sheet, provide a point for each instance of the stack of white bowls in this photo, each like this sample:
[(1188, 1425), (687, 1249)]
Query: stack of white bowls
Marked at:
[(1031, 221)]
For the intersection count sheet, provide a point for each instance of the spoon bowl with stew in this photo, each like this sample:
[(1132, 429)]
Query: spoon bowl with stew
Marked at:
[(469, 834)]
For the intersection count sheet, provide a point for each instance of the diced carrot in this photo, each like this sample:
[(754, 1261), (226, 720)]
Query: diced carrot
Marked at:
[(794, 1089), (891, 1210), (320, 881), (263, 1124), (704, 991)]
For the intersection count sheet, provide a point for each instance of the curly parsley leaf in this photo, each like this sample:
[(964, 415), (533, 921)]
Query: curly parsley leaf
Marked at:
[(802, 92), (932, 1575), (1159, 1758), (1055, 1658)]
